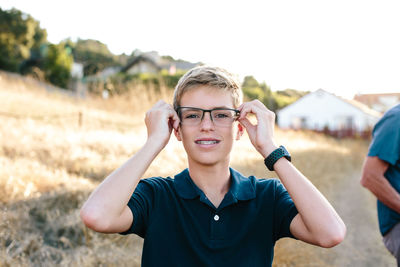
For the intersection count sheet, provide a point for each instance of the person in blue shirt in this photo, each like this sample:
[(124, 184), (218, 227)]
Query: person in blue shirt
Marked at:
[(210, 214), (381, 175)]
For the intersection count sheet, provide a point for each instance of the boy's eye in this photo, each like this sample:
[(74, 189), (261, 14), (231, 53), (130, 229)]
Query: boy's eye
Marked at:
[(221, 115), (192, 116)]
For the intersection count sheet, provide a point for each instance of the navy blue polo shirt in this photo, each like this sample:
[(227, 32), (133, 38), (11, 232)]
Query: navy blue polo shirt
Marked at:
[(181, 227), (386, 146)]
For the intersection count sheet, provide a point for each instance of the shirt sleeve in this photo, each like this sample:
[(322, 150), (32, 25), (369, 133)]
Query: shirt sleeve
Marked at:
[(284, 212), (140, 204), (386, 139)]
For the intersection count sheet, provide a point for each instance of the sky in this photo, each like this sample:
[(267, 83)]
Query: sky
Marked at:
[(344, 47)]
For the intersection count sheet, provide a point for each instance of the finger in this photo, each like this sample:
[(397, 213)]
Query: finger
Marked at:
[(256, 103), (259, 104), (176, 122), (248, 109), (159, 103), (173, 116), (246, 123), (170, 124), (243, 110)]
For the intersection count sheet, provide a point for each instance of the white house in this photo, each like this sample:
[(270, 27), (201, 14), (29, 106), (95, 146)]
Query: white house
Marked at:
[(109, 71), (321, 111), (77, 70), (151, 62), (142, 64)]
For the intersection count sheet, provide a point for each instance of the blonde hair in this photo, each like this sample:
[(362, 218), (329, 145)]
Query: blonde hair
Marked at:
[(217, 78)]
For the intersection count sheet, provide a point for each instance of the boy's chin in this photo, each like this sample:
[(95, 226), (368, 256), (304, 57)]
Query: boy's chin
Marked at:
[(208, 163)]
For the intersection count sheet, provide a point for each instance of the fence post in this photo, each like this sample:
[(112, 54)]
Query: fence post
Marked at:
[(80, 119)]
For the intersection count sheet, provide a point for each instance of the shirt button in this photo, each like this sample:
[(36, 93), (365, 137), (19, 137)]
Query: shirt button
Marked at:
[(216, 218)]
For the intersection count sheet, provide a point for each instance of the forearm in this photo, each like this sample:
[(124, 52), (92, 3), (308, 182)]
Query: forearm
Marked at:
[(317, 221), (373, 179), (109, 199), (319, 217), (382, 189)]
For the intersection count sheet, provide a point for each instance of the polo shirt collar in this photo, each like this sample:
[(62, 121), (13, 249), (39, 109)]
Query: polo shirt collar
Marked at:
[(241, 187), (184, 185)]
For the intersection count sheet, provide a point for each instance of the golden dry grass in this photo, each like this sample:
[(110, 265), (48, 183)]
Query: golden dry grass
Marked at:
[(49, 163)]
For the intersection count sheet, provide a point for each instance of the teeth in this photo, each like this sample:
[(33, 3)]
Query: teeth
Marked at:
[(206, 142)]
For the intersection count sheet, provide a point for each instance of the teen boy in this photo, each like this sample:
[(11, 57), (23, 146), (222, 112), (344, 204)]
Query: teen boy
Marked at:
[(209, 214)]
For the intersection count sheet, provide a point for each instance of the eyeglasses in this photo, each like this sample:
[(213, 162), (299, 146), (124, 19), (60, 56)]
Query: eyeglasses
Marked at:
[(219, 116)]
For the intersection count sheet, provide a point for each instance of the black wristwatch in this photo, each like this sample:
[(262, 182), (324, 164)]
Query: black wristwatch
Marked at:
[(275, 155)]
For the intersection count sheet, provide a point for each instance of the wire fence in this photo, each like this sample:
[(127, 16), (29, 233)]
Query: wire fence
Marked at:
[(79, 116)]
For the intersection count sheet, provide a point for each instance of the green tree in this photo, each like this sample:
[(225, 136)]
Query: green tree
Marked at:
[(20, 34), (252, 89), (287, 97), (57, 64), (171, 80), (94, 55), (249, 82)]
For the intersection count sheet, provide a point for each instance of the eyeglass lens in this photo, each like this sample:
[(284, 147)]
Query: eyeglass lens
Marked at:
[(220, 117)]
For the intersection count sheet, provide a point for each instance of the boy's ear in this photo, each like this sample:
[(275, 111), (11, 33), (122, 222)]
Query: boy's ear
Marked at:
[(178, 134), (240, 131)]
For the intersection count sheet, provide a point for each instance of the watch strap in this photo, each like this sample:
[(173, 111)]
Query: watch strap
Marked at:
[(275, 156)]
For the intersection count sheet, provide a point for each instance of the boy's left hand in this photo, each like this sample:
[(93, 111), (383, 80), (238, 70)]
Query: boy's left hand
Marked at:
[(261, 135)]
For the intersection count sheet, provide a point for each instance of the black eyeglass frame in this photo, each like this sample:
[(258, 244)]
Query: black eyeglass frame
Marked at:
[(237, 112)]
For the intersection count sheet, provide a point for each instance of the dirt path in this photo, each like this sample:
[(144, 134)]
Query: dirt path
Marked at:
[(363, 246)]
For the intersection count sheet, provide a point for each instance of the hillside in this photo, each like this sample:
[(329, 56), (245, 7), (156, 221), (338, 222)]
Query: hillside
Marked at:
[(54, 150)]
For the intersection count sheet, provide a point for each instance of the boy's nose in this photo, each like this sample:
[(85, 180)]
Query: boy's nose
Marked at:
[(206, 122)]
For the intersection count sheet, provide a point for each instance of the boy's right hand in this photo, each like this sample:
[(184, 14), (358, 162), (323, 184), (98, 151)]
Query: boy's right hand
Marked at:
[(160, 120)]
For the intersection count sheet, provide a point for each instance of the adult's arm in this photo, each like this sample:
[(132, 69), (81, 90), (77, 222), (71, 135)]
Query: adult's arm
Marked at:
[(317, 222), (374, 180), (106, 209)]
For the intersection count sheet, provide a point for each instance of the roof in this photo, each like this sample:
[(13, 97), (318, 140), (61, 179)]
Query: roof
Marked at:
[(373, 98), (360, 106), (137, 60), (364, 108), (180, 65), (381, 102)]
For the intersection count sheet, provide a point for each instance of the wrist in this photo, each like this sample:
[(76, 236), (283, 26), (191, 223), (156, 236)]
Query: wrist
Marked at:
[(268, 149), (154, 144)]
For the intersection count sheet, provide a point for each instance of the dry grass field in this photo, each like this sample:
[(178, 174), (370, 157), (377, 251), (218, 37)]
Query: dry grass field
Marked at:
[(51, 158)]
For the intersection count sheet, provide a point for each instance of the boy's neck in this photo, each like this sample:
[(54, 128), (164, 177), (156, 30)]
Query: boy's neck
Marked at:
[(213, 180)]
